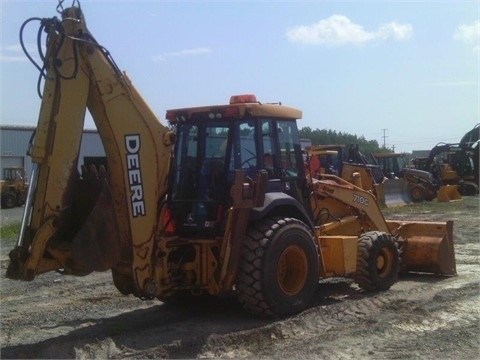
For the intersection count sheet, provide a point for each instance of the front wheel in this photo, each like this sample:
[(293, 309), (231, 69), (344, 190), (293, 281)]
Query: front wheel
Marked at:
[(9, 200), (278, 273), (467, 188), (378, 261)]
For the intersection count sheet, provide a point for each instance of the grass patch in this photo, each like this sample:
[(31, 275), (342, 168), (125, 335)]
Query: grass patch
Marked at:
[(10, 230)]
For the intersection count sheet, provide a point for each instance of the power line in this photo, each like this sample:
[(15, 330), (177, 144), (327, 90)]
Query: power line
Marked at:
[(384, 137)]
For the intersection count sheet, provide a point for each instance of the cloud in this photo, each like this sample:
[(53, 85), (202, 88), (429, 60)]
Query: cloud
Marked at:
[(14, 53), (182, 53), (338, 30), (11, 58), (470, 35)]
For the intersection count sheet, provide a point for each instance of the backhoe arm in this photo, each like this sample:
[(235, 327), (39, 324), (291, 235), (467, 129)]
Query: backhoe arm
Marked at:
[(79, 224)]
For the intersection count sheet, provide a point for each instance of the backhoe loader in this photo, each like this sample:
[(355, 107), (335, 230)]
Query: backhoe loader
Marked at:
[(417, 184), (13, 187), (200, 210), (455, 167)]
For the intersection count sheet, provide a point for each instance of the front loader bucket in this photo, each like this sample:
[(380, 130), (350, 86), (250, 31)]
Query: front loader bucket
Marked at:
[(447, 193), (396, 192), (426, 247)]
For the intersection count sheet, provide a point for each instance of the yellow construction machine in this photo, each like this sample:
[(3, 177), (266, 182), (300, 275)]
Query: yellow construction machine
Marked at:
[(348, 163), (418, 184), (222, 205), (13, 187), (456, 165)]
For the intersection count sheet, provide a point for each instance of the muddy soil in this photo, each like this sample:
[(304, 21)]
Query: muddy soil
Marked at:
[(420, 317)]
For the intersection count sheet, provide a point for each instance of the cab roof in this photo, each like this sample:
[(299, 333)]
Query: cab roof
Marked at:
[(239, 106)]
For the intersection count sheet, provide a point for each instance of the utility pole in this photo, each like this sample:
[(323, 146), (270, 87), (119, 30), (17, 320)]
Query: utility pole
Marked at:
[(384, 138)]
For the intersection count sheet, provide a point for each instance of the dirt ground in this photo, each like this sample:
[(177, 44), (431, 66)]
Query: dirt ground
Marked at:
[(420, 317)]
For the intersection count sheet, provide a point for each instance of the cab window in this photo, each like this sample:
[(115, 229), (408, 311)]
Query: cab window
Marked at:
[(289, 146)]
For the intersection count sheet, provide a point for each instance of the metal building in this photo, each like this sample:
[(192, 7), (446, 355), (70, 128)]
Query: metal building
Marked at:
[(14, 141)]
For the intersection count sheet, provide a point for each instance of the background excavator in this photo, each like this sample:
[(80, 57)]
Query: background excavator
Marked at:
[(197, 211), (455, 164), (411, 184)]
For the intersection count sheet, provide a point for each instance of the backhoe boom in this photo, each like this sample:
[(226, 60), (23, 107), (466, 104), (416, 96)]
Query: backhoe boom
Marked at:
[(81, 224)]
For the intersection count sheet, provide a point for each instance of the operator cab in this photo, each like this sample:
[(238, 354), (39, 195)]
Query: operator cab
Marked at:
[(214, 141)]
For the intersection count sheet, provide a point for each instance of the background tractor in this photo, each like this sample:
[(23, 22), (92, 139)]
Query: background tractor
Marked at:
[(455, 165), (13, 187)]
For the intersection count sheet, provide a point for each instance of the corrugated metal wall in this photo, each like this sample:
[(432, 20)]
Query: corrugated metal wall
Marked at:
[(14, 142)]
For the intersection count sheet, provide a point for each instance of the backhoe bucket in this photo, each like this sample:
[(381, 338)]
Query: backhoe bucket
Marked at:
[(447, 193), (79, 240), (426, 247), (396, 192)]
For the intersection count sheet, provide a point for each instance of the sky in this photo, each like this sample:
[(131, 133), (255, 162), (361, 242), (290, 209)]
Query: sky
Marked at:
[(404, 73)]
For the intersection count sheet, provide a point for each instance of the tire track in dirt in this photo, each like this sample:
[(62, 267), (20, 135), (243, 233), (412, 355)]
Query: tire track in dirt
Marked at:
[(341, 308), (388, 338), (421, 316)]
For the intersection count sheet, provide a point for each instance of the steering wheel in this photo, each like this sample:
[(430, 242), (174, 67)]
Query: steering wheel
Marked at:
[(248, 161)]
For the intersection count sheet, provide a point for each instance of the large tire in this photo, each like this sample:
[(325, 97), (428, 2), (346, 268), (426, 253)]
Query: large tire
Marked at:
[(467, 188), (9, 200), (123, 282), (417, 193), (378, 261), (278, 272)]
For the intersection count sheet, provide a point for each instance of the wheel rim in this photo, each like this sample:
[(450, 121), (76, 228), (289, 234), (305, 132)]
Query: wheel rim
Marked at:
[(292, 270), (417, 194), (384, 262), (10, 201)]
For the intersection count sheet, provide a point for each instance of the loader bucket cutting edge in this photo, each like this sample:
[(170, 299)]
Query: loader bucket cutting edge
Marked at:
[(396, 192), (426, 247)]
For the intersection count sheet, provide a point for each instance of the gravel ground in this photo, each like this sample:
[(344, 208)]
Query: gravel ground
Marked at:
[(8, 216), (420, 317)]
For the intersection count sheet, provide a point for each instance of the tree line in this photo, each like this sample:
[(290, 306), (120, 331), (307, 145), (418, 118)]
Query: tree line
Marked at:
[(333, 137)]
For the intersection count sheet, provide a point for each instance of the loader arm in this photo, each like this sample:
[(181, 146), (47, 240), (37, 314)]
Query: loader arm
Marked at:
[(98, 220), (331, 186), (426, 246)]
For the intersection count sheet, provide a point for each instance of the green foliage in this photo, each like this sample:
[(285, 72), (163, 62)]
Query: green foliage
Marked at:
[(332, 137), (9, 230)]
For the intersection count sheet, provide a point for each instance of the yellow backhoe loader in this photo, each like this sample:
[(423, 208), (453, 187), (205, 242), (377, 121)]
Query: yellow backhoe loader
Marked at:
[(420, 185), (199, 210), (13, 187), (456, 165)]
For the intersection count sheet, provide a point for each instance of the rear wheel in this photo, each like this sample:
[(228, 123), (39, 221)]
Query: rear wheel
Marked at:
[(417, 193), (9, 200), (378, 261), (123, 282), (278, 273)]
